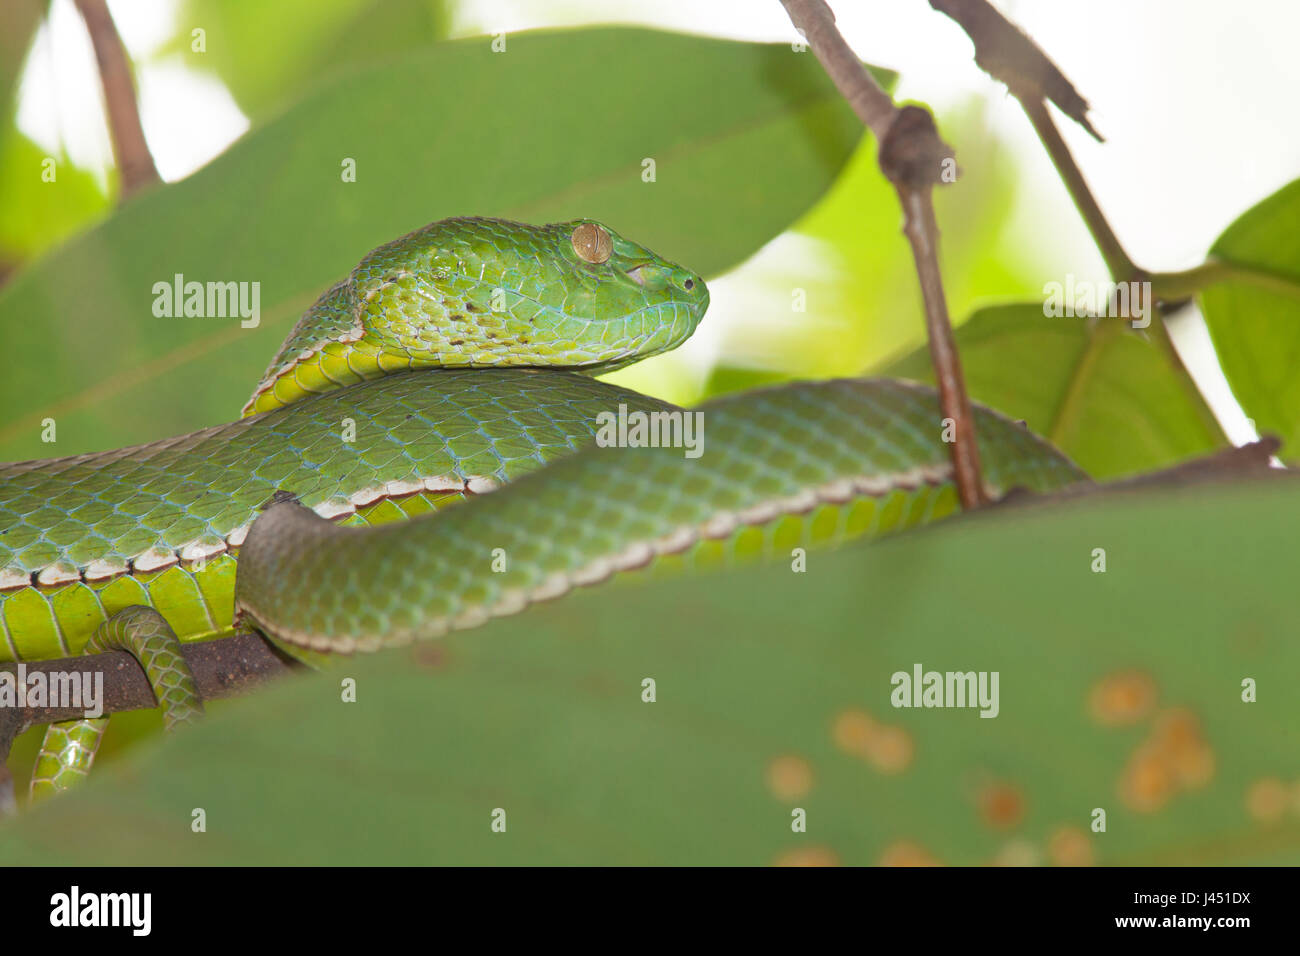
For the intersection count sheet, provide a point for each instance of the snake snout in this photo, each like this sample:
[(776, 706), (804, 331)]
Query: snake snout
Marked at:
[(651, 275)]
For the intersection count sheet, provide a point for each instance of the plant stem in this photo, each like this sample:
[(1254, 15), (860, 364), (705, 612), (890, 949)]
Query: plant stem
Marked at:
[(1172, 286), (911, 155), (1117, 260), (134, 161), (814, 19), (1160, 329), (922, 231)]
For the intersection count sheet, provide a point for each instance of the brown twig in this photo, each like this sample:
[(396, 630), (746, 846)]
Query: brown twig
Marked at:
[(221, 668), (1009, 55), (12, 723), (912, 157), (1006, 53), (134, 162), (814, 19), (1122, 268), (1250, 462), (1159, 330), (920, 228)]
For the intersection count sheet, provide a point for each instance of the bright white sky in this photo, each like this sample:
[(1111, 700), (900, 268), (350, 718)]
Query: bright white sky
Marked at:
[(1195, 98)]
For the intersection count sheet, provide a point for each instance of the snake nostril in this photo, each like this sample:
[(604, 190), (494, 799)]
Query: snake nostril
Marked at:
[(688, 285)]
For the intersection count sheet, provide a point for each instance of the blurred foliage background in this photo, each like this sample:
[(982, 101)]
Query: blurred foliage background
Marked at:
[(764, 184), (246, 114), (843, 255), (828, 291)]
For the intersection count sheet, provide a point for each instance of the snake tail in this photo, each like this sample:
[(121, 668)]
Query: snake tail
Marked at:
[(69, 747)]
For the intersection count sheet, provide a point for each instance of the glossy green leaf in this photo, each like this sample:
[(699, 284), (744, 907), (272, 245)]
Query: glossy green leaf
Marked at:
[(558, 126), (1256, 326), (773, 692), (1102, 392)]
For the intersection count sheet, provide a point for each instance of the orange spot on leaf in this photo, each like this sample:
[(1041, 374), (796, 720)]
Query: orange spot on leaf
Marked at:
[(1122, 698), (1175, 756), (811, 856), (1148, 781), (852, 732), (789, 777), (887, 748), (1001, 805), (907, 853), (1070, 846), (1267, 799), (890, 750)]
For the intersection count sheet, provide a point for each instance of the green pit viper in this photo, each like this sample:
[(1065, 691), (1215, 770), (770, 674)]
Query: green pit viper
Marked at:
[(451, 361)]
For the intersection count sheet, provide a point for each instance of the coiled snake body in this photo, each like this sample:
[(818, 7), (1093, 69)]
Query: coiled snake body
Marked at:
[(448, 363)]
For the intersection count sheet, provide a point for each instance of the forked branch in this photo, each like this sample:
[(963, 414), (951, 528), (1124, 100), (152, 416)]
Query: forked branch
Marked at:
[(913, 158)]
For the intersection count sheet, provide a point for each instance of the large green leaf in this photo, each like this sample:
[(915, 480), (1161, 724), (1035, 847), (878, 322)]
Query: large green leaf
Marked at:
[(1102, 392), (1256, 325), (1119, 690), (267, 53), (555, 127)]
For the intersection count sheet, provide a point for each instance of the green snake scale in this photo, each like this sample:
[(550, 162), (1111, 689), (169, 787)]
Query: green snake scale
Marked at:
[(450, 362)]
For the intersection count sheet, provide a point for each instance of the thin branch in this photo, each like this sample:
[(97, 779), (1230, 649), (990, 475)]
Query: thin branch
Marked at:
[(1118, 262), (1159, 330), (134, 162), (814, 19), (1249, 462), (12, 723), (922, 231), (1009, 55), (1006, 53), (912, 157), (1173, 286), (222, 668)]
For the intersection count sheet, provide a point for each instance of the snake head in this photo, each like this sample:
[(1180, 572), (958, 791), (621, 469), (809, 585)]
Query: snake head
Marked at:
[(480, 293), (488, 292)]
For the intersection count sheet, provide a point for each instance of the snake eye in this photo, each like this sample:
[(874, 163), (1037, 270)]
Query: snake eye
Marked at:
[(592, 243)]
